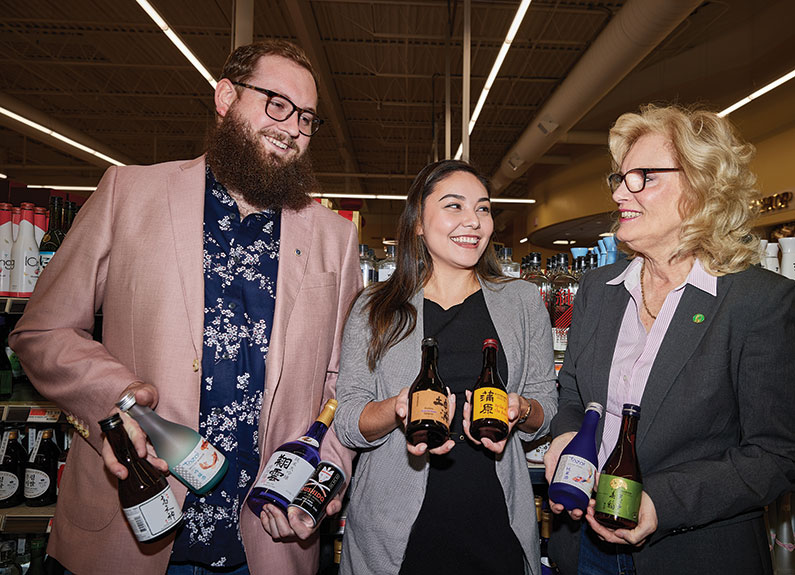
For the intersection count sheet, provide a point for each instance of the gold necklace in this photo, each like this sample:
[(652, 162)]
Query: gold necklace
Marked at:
[(643, 292)]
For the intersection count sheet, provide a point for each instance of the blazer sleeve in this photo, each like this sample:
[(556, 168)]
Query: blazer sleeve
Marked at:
[(762, 464), (53, 339)]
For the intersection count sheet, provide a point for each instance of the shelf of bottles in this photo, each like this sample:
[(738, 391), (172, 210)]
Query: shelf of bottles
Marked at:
[(26, 406)]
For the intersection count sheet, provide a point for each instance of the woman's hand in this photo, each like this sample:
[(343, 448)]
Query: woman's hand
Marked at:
[(514, 406), (296, 525), (402, 410), (551, 458), (647, 524)]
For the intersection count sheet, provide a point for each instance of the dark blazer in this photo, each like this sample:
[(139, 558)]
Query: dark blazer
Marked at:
[(716, 437)]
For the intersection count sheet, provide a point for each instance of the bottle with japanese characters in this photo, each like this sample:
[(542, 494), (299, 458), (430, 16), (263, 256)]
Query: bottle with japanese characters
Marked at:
[(427, 403), (51, 240), (146, 498), (291, 465), (562, 290), (41, 471), (489, 398), (190, 457), (13, 459), (620, 486), (574, 476)]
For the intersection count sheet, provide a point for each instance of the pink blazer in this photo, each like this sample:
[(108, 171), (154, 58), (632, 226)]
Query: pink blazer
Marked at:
[(135, 252)]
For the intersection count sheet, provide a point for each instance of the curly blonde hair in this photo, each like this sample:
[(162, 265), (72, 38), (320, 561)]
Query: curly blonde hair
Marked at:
[(719, 201)]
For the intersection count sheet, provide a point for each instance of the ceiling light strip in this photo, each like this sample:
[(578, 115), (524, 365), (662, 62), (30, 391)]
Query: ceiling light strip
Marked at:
[(753, 96), (64, 188), (177, 41), (59, 136), (495, 69), (402, 198)]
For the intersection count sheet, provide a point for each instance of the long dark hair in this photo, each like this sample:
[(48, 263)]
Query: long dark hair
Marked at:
[(392, 317)]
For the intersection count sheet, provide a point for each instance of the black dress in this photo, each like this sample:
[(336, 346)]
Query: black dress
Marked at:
[(463, 525)]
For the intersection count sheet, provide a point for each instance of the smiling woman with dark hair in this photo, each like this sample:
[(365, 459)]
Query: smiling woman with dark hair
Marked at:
[(463, 507)]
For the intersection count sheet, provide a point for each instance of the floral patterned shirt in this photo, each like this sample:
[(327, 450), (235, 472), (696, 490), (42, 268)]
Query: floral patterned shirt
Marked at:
[(240, 266)]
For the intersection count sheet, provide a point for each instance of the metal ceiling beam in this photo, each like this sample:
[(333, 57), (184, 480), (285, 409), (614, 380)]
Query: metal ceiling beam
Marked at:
[(309, 38)]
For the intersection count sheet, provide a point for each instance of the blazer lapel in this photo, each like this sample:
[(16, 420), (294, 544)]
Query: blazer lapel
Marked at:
[(294, 249), (185, 193), (605, 331), (683, 336)]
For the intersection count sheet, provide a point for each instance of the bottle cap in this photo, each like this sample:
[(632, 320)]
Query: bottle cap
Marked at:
[(127, 401), (631, 409), (595, 406), (110, 422), (491, 343), (428, 341)]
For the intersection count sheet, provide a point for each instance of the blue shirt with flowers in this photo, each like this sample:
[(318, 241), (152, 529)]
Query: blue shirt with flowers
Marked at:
[(241, 261)]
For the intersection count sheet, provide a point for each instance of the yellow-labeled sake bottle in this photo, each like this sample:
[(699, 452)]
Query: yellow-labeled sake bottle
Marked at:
[(489, 399), (427, 421)]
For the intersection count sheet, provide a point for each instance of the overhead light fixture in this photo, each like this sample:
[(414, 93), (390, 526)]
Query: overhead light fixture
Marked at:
[(59, 136), (753, 96), (64, 188), (512, 201), (564, 242), (177, 41), (523, 240), (606, 235), (3, 176), (495, 69), (402, 198), (389, 242)]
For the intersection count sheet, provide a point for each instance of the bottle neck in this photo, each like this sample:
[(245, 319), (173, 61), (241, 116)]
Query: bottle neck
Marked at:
[(317, 431), (121, 444), (430, 354), (55, 215), (629, 427), (590, 422)]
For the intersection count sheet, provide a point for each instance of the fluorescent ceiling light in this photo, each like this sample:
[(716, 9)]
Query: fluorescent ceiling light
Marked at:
[(495, 69), (564, 242), (391, 197), (606, 235), (54, 134), (3, 176), (753, 96), (64, 188), (523, 240), (177, 41), (512, 201)]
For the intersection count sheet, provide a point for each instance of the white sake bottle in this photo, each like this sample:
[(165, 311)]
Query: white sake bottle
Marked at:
[(25, 255)]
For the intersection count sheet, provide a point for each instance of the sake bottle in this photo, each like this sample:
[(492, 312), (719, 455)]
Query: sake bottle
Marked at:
[(51, 240), (41, 471), (190, 457), (6, 245), (146, 498), (291, 465), (620, 486), (427, 417), (13, 459), (489, 399), (574, 476), (25, 255)]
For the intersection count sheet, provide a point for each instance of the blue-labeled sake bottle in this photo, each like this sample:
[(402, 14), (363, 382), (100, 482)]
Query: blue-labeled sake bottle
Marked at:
[(191, 458), (620, 486), (574, 476), (291, 465)]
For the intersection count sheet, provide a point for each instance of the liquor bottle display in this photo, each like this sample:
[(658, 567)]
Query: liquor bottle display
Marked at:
[(51, 240), (489, 399), (291, 465), (190, 457), (620, 483), (574, 476), (427, 417), (13, 459), (41, 471), (146, 497)]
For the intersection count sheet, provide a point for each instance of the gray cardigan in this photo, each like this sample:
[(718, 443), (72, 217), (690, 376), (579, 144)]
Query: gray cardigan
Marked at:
[(389, 486)]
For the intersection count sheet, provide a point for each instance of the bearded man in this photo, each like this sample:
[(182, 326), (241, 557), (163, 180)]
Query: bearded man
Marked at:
[(223, 289)]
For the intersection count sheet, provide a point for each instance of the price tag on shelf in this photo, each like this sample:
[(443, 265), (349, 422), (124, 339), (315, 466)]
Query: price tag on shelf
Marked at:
[(49, 525), (41, 415)]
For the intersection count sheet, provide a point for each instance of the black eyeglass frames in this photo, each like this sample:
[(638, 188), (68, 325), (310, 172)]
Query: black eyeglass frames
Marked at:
[(281, 108), (635, 179)]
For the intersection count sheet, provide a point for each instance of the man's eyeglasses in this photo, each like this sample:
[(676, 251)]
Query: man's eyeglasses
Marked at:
[(280, 108), (635, 179)]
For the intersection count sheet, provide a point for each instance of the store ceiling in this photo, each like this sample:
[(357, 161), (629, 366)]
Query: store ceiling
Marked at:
[(104, 71)]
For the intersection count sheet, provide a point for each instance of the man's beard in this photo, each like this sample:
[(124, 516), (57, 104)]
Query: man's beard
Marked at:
[(239, 161)]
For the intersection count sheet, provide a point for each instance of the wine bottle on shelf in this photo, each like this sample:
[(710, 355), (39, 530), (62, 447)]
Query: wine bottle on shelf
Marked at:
[(190, 457), (427, 404), (51, 240), (41, 471), (13, 459), (489, 399), (145, 495), (574, 476), (25, 255), (620, 484), (291, 465)]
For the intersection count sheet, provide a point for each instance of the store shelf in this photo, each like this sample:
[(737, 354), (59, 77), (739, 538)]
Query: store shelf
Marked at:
[(13, 305), (26, 406), (23, 519), (536, 471)]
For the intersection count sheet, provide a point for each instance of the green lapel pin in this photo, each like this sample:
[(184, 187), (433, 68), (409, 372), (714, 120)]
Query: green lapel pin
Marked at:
[(698, 318)]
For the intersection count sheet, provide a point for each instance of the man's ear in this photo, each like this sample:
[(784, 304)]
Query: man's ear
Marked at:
[(225, 96)]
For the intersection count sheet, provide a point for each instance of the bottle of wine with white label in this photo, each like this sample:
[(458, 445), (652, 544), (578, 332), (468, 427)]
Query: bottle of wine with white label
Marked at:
[(190, 457), (145, 495), (41, 471), (13, 459), (291, 465)]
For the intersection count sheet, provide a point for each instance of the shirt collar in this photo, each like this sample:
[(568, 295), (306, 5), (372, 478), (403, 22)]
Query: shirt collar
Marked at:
[(698, 277)]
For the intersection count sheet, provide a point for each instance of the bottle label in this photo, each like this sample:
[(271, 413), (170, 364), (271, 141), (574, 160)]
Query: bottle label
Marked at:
[(37, 483), (201, 464), (35, 451), (4, 445), (9, 485), (285, 474), (309, 441), (618, 496), (154, 516), (577, 472), (385, 273), (45, 257), (560, 338), (428, 404), (491, 403)]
